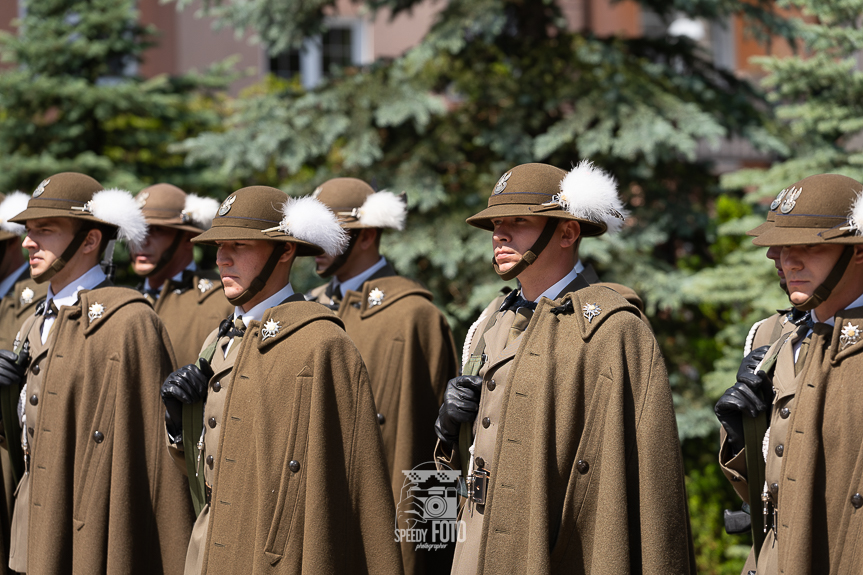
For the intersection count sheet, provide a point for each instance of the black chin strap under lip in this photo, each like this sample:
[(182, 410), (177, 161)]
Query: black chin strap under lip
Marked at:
[(340, 260), (168, 254), (259, 282), (823, 291), (64, 258), (530, 255)]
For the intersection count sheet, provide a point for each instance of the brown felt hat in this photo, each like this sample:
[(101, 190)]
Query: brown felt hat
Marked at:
[(59, 195), (357, 205), (254, 213), (586, 194), (167, 205), (815, 210)]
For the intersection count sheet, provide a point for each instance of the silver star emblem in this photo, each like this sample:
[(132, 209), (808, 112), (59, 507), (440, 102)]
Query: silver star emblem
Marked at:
[(141, 199), (27, 296), (226, 205), (849, 336), (40, 188), (271, 329), (204, 285), (591, 310), (790, 200), (501, 183), (376, 297), (95, 311)]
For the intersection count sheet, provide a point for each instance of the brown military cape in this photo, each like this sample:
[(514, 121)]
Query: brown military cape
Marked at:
[(189, 309), (594, 392), (300, 484), (112, 501), (818, 471), (409, 351)]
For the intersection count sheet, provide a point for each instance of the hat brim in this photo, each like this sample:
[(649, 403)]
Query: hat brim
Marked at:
[(758, 230), (782, 236), (37, 213), (483, 219), (4, 235), (232, 233)]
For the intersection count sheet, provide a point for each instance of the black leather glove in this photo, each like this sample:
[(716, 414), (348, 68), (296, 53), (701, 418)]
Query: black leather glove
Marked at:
[(13, 369), (460, 405), (745, 396), (187, 385)]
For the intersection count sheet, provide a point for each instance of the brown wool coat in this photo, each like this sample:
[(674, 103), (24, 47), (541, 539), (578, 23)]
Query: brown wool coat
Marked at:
[(112, 501), (409, 351), (299, 480), (189, 309), (818, 470), (587, 474)]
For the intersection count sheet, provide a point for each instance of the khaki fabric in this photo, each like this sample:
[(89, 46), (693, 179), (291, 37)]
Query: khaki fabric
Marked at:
[(410, 354), (106, 502), (189, 309), (298, 474), (586, 470)]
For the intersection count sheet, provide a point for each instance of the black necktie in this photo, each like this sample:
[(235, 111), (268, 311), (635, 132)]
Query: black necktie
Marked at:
[(51, 309), (514, 301)]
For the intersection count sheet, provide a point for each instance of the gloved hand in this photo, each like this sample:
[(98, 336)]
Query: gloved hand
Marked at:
[(12, 371), (187, 385), (743, 397), (460, 405)]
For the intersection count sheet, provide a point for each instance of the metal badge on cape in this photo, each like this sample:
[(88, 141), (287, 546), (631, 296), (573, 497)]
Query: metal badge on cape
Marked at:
[(27, 296), (40, 188), (501, 183), (849, 336), (271, 329), (591, 310), (204, 285), (226, 205), (95, 311), (376, 297)]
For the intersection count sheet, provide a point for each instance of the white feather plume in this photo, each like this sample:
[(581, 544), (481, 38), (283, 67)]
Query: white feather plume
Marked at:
[(855, 218), (383, 210), (309, 220), (14, 204), (119, 208), (589, 193), (201, 211)]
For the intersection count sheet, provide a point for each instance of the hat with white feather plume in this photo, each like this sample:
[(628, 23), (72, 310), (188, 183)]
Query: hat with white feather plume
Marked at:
[(586, 194), (169, 206), (11, 206), (358, 205)]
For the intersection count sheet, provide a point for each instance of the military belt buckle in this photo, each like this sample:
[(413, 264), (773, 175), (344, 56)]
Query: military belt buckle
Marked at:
[(477, 486)]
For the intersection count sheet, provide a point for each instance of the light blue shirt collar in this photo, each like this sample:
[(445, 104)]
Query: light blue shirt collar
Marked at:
[(69, 294), (257, 312), (176, 278), (554, 290), (356, 282)]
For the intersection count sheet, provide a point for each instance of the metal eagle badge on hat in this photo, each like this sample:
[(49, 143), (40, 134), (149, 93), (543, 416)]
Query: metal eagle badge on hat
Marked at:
[(591, 310), (95, 311), (376, 297), (501, 183), (778, 200), (270, 329), (204, 285), (40, 188), (226, 205), (790, 200), (849, 336), (27, 296)]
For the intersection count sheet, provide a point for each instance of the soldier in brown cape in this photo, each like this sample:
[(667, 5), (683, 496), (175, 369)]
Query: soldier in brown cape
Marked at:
[(19, 294), (188, 300), (403, 338), (291, 455), (99, 493), (563, 421), (811, 495)]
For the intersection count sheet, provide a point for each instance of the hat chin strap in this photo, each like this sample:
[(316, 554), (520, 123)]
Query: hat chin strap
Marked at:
[(259, 282), (342, 258), (530, 255), (64, 258), (167, 255), (823, 291)]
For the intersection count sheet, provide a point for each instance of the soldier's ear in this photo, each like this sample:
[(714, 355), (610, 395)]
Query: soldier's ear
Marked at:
[(289, 253), (92, 242), (571, 232)]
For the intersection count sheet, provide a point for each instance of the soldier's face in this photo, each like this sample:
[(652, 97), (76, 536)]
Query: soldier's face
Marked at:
[(158, 240), (47, 239), (513, 236), (240, 262), (806, 267)]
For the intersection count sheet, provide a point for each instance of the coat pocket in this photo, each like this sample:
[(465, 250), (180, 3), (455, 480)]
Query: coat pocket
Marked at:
[(97, 447), (289, 505)]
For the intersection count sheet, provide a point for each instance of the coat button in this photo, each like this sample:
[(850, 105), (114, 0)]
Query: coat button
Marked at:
[(784, 413), (857, 500), (210, 460), (480, 462), (294, 465), (217, 387), (35, 369), (780, 449), (491, 385), (774, 489), (582, 466), (486, 422), (34, 399), (212, 422), (98, 436), (381, 419)]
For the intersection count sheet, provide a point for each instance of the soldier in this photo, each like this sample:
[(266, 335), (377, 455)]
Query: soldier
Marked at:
[(19, 294), (290, 454), (98, 494), (403, 338), (563, 420), (812, 486), (188, 300)]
